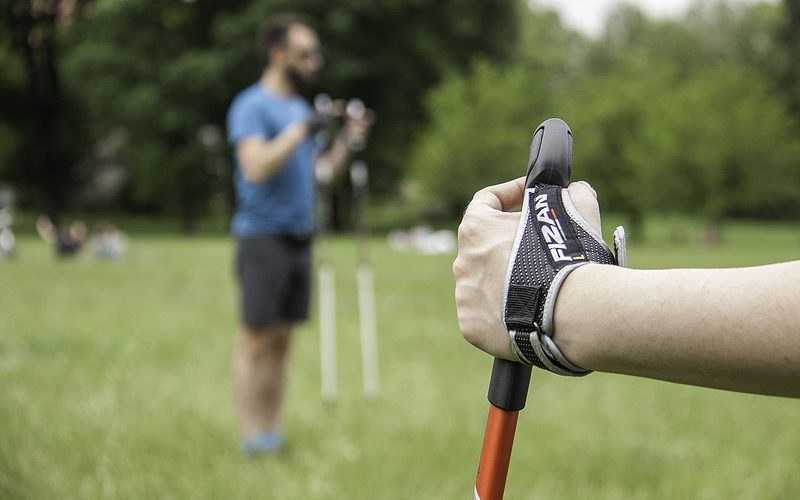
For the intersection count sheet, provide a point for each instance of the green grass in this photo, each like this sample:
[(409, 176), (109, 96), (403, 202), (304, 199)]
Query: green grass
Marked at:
[(114, 384)]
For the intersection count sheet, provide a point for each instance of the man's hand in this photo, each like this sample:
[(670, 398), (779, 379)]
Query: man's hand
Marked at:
[(351, 138), (485, 240), (317, 122)]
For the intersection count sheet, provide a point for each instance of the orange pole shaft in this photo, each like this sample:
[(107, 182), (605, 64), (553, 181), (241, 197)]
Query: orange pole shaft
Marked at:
[(495, 454)]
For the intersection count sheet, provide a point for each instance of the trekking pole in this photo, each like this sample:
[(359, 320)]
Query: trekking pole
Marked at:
[(359, 177), (324, 105), (327, 326), (366, 292), (550, 162)]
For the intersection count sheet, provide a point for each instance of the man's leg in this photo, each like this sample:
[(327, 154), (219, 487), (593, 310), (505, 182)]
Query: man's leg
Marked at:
[(260, 362)]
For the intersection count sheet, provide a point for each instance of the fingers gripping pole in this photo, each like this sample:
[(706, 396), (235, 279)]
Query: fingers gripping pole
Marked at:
[(327, 332)]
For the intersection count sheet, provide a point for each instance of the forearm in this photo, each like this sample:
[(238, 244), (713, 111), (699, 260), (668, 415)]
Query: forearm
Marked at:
[(736, 329), (260, 159)]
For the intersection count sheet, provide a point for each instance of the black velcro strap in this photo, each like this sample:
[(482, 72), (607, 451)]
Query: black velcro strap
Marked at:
[(522, 304)]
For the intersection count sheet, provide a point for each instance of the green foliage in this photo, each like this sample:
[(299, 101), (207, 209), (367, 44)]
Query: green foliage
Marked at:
[(151, 69), (607, 113), (483, 124), (42, 124), (11, 85), (667, 115), (788, 54), (721, 144)]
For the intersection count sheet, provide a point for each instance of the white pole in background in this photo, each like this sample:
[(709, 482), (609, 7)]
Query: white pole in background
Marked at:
[(369, 338), (325, 275), (366, 293), (327, 332)]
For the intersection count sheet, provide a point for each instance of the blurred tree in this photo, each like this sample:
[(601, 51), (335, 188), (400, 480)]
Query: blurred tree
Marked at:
[(651, 105), (789, 45), (481, 123), (479, 134), (45, 135), (12, 87), (722, 144), (607, 112), (654, 120), (150, 68), (712, 33), (736, 34)]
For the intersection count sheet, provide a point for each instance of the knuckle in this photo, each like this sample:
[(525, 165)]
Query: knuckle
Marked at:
[(467, 230), (458, 269)]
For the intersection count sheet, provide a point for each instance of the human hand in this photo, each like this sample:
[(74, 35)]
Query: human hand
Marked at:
[(317, 122), (485, 240), (324, 112)]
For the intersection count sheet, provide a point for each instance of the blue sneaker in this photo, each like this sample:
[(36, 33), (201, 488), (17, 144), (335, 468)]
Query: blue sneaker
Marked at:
[(268, 442)]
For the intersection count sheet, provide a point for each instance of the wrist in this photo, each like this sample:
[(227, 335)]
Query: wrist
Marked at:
[(300, 130), (580, 318)]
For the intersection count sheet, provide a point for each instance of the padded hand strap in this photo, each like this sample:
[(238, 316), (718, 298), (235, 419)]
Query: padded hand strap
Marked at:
[(552, 240)]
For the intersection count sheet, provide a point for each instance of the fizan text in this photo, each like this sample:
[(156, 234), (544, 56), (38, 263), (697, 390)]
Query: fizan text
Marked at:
[(551, 229)]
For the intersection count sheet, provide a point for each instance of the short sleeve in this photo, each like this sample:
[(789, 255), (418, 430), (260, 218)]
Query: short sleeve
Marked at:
[(245, 119)]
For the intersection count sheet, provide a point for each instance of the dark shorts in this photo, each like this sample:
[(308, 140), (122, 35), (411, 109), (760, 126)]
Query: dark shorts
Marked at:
[(274, 275)]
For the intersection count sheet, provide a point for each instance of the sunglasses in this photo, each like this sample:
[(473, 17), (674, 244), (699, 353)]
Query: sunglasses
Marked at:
[(307, 54)]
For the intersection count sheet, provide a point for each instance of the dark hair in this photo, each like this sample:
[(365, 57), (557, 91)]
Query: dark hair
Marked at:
[(274, 32)]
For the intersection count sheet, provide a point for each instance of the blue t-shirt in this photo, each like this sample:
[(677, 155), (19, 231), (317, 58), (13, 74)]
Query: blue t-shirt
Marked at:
[(284, 203)]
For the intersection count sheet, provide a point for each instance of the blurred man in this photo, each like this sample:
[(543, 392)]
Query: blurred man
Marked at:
[(272, 129)]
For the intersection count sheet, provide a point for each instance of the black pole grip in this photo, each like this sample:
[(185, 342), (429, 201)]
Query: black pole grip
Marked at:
[(550, 162)]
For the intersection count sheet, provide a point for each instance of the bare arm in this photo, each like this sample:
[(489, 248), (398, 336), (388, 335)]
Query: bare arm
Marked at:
[(261, 158), (736, 329)]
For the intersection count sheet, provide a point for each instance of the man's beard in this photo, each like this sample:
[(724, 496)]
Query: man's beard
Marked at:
[(300, 82)]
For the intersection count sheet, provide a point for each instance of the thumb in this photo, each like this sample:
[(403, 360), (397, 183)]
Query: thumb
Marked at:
[(502, 197)]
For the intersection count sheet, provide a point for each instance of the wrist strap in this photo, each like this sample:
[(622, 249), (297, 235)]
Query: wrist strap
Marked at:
[(552, 240)]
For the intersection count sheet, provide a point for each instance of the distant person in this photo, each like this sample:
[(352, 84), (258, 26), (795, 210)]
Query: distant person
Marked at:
[(272, 129), (68, 241), (735, 329), (108, 242)]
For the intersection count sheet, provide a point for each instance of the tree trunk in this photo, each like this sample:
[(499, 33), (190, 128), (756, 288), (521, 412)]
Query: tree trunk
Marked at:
[(33, 31)]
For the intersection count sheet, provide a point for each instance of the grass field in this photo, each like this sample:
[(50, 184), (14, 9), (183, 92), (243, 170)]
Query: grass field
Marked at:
[(114, 384)]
